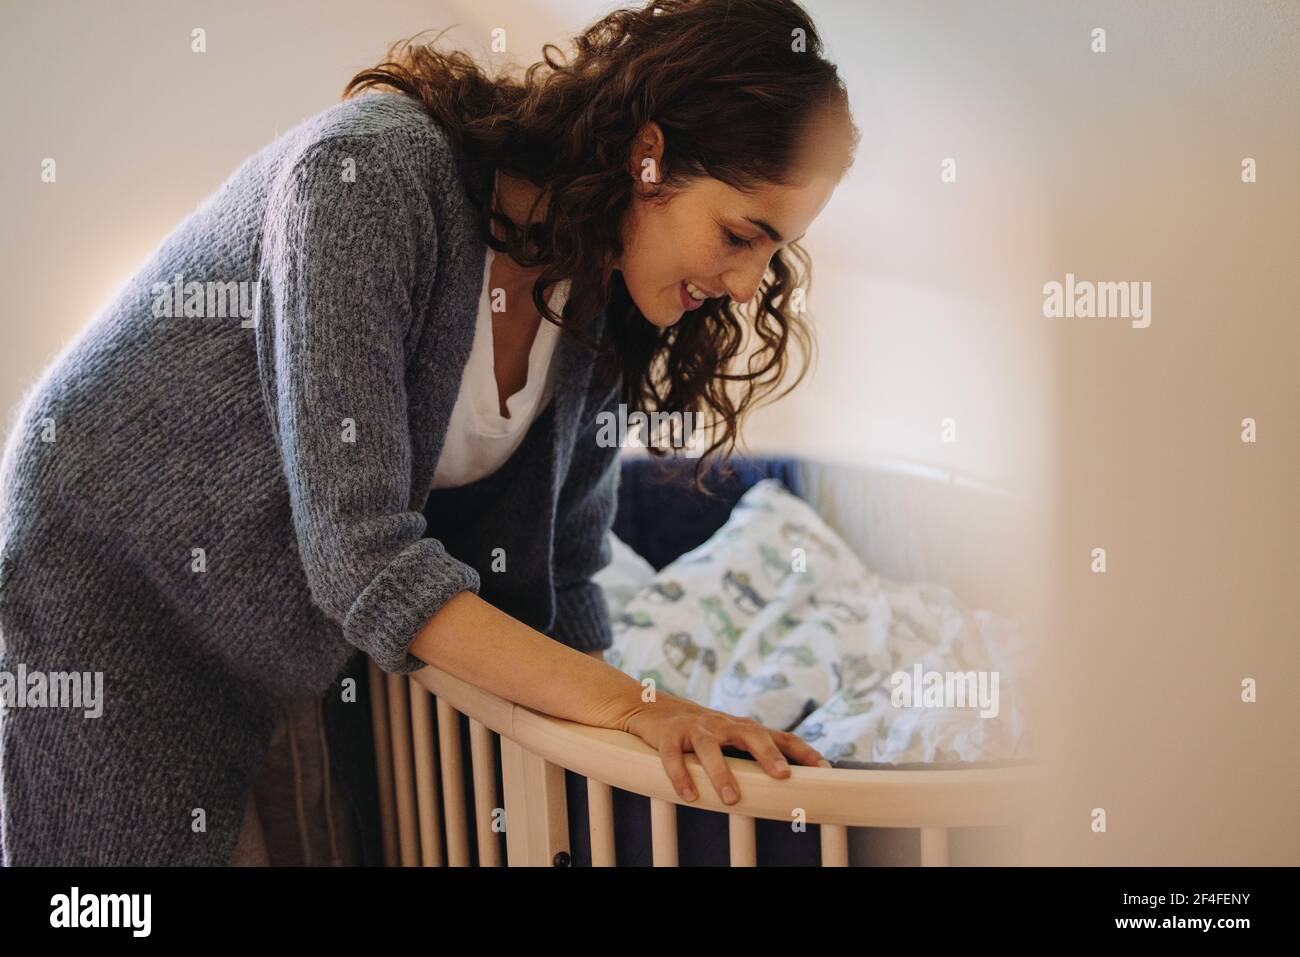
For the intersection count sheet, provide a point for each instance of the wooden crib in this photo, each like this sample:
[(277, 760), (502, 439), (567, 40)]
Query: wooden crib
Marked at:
[(417, 723), (421, 766)]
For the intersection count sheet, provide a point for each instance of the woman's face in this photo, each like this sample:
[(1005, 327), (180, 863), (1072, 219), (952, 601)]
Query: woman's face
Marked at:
[(709, 235)]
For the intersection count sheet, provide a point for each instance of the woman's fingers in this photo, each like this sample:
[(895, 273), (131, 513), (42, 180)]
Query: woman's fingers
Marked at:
[(670, 753), (798, 749), (705, 732), (757, 740), (709, 750)]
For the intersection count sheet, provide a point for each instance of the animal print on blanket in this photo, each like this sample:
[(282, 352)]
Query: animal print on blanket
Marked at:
[(777, 619)]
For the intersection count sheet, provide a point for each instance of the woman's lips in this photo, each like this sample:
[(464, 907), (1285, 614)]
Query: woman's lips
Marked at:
[(688, 303)]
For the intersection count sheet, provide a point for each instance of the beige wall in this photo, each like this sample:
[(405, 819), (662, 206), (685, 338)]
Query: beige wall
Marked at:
[(927, 299), (143, 130)]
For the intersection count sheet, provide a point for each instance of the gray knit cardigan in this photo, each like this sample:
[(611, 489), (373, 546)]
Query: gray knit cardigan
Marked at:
[(214, 508)]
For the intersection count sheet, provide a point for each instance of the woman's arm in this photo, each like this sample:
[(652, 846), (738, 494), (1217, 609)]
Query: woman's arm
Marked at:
[(478, 643), (472, 640), (340, 256)]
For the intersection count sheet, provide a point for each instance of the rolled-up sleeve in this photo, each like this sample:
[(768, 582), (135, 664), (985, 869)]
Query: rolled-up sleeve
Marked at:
[(342, 259)]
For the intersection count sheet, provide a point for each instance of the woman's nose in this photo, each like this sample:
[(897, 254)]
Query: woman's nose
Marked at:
[(741, 290), (742, 284)]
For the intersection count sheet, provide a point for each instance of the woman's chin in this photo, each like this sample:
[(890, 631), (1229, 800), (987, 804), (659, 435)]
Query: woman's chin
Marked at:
[(665, 322), (660, 315), (662, 308)]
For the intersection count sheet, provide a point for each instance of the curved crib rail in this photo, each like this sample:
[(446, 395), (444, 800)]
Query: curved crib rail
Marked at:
[(536, 749)]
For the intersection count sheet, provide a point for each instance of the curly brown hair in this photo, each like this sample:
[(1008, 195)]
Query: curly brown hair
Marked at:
[(736, 86)]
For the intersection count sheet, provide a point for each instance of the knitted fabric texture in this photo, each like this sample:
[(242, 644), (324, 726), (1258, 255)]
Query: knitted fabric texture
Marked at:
[(214, 509)]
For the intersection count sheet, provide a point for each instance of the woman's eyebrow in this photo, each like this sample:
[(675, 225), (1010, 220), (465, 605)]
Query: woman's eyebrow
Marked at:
[(772, 233)]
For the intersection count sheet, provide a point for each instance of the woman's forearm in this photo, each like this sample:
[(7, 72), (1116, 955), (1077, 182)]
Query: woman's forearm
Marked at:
[(483, 645)]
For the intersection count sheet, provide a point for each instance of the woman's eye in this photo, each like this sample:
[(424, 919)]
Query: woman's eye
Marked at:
[(737, 241)]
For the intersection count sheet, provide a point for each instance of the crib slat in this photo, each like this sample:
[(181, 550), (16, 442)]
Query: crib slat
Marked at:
[(537, 820), (453, 785), (835, 845), (934, 847), (399, 723), (426, 778), (383, 760), (600, 813), (744, 846), (663, 832), (483, 758)]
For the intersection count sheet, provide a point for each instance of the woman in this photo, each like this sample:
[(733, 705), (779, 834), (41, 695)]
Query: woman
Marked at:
[(213, 509)]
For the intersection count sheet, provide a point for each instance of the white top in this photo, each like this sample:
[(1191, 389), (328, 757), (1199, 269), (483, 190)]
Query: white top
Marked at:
[(479, 439)]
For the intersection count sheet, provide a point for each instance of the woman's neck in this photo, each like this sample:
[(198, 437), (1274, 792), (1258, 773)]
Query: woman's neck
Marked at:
[(514, 198)]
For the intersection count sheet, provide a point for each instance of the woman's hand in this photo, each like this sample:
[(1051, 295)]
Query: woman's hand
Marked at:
[(673, 726), (516, 662)]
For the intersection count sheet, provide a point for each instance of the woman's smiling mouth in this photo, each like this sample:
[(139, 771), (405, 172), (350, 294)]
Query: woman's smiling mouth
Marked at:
[(687, 292)]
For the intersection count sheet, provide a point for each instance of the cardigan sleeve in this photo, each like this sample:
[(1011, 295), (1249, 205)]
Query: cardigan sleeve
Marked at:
[(340, 265), (588, 501)]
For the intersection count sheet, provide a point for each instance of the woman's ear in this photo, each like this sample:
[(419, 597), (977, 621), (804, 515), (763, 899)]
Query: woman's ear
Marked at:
[(648, 153)]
